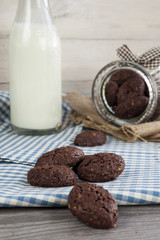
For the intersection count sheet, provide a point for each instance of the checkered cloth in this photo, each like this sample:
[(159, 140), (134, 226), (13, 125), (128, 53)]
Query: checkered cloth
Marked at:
[(138, 184), (149, 59)]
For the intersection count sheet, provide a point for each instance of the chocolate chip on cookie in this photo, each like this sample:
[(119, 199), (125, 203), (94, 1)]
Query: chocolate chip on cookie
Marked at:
[(51, 176), (93, 205), (101, 167), (68, 156), (90, 138)]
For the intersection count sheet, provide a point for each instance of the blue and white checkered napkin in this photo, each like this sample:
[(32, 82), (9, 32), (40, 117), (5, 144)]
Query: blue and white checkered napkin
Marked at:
[(138, 184)]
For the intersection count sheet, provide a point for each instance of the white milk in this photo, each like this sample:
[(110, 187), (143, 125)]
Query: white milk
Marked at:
[(35, 77)]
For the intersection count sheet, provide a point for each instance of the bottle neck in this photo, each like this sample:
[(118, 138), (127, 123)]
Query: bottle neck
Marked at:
[(33, 11)]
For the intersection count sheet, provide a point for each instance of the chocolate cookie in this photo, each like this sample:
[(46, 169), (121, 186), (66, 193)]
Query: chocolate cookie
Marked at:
[(132, 107), (101, 167), (90, 138), (122, 75), (93, 205), (131, 88), (68, 156), (111, 93), (51, 176)]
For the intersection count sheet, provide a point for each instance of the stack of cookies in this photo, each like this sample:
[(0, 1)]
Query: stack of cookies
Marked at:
[(127, 94)]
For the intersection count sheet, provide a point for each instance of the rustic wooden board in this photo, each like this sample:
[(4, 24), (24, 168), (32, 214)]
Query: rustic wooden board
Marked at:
[(135, 223), (98, 19), (81, 59), (90, 32)]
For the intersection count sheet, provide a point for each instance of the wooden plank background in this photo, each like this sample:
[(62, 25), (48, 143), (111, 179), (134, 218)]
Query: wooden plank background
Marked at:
[(90, 32)]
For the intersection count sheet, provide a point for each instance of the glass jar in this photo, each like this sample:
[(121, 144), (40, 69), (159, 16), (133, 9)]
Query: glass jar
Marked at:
[(35, 70), (108, 112)]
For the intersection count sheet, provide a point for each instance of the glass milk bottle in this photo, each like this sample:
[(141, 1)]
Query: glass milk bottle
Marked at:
[(35, 70)]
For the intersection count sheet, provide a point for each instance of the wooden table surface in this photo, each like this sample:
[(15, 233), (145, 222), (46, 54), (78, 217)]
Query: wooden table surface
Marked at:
[(54, 223), (90, 31)]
